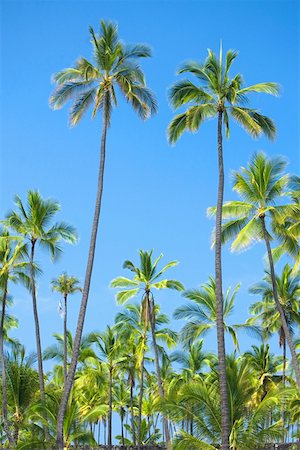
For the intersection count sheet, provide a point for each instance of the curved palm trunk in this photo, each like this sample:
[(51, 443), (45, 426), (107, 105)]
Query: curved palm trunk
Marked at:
[(65, 338), (86, 288), (140, 405), (122, 426), (284, 325), (225, 418), (131, 409), (37, 332), (109, 438), (151, 312), (3, 370)]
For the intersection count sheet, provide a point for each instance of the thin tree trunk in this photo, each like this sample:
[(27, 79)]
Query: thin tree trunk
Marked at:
[(3, 369), (131, 409), (151, 312), (283, 381), (86, 288), (140, 405), (122, 427), (65, 339), (278, 304), (225, 418), (110, 410), (37, 334)]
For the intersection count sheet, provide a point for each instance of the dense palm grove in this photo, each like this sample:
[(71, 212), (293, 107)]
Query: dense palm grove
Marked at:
[(138, 382)]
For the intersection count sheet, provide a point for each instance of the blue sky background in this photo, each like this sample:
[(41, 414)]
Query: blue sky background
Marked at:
[(155, 196)]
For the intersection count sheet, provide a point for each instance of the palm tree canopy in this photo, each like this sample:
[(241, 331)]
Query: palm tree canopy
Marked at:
[(65, 284), (94, 83), (146, 277), (200, 313), (34, 222), (217, 91), (261, 185)]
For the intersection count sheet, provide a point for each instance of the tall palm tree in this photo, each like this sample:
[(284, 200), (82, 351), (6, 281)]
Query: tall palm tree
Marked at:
[(288, 287), (34, 222), (109, 351), (218, 95), (201, 313), (94, 84), (146, 278), (65, 285), (261, 186), (12, 269)]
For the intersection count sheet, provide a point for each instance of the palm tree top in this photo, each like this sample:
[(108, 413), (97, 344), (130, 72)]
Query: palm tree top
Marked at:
[(146, 277), (93, 83), (66, 284), (217, 92), (34, 221), (262, 186)]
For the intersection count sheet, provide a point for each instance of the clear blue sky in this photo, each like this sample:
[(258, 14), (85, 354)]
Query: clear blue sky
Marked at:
[(155, 196)]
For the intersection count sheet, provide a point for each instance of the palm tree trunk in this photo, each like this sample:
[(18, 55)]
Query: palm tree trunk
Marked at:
[(140, 405), (122, 427), (65, 338), (110, 410), (225, 418), (278, 304), (37, 333), (86, 288), (131, 409), (3, 370), (151, 312)]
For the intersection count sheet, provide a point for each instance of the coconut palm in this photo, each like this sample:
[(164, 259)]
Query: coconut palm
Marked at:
[(265, 311), (109, 351), (218, 95), (12, 269), (93, 84), (200, 399), (266, 367), (146, 278), (65, 285), (261, 186), (34, 222), (22, 387), (200, 313)]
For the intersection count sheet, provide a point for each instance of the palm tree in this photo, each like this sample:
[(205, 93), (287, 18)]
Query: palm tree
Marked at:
[(94, 84), (265, 311), (22, 384), (261, 186), (201, 313), (12, 269), (110, 353), (34, 222), (219, 96), (200, 399), (66, 286), (266, 367), (147, 278)]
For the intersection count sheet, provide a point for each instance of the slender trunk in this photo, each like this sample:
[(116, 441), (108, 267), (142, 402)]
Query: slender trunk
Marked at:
[(131, 409), (151, 312), (99, 430), (225, 418), (65, 339), (105, 427), (37, 333), (122, 427), (3, 369), (109, 440), (85, 293), (283, 381), (278, 304), (140, 404)]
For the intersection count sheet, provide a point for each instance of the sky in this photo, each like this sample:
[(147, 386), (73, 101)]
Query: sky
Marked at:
[(155, 196)]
